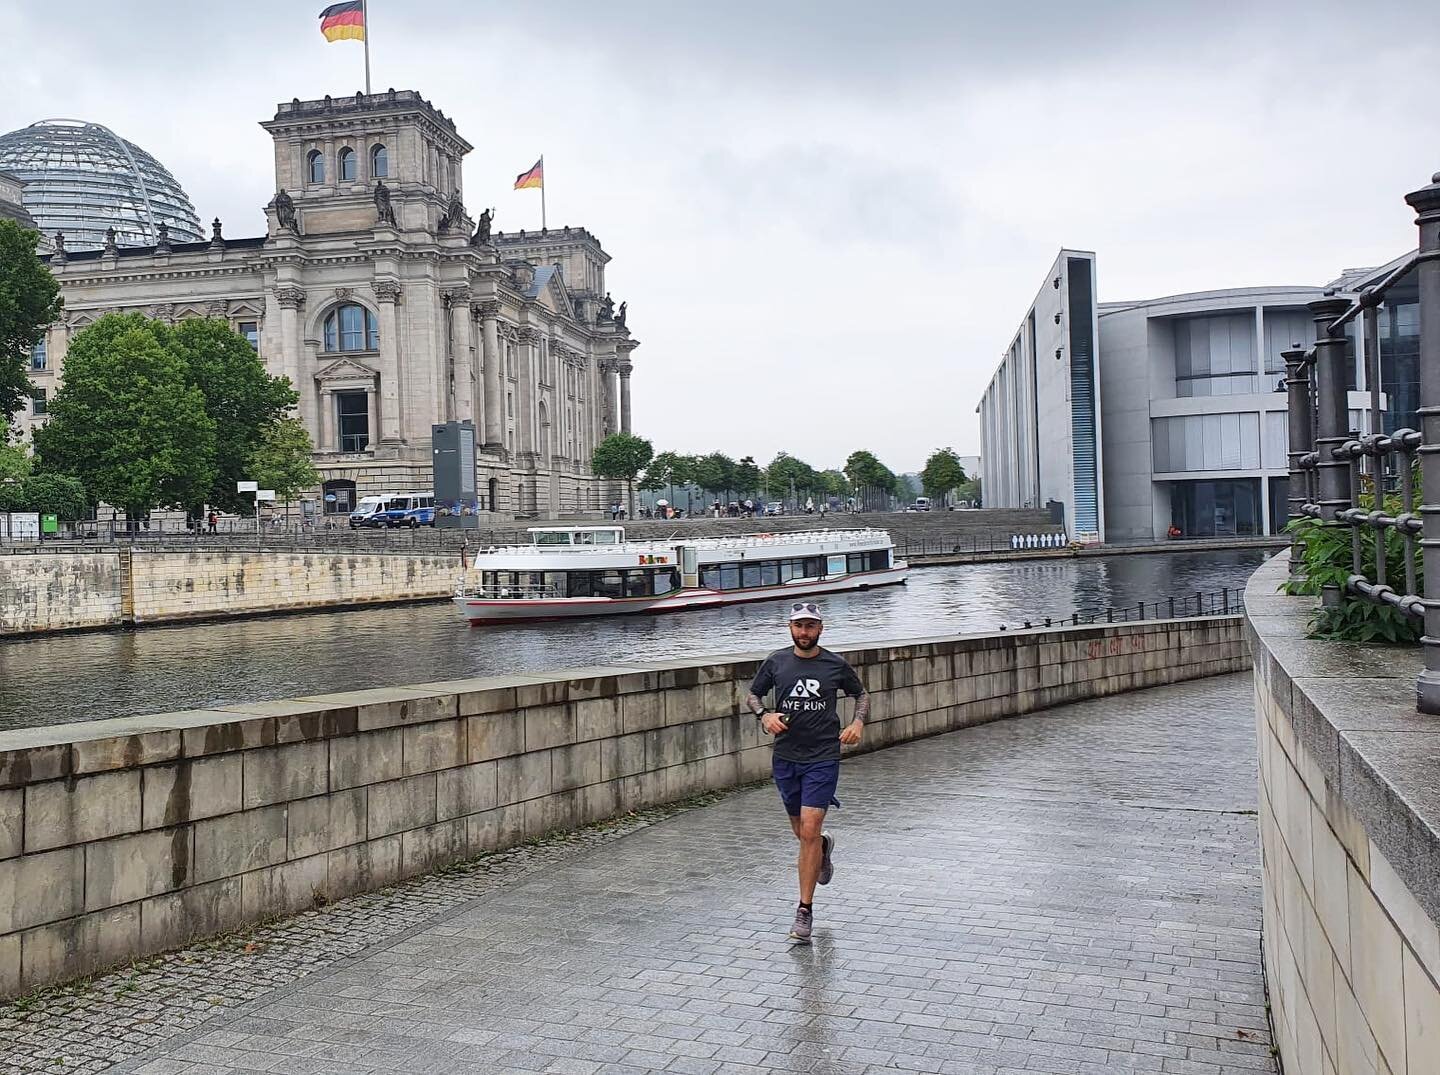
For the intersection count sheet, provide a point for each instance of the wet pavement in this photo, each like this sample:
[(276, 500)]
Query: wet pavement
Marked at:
[(1072, 892)]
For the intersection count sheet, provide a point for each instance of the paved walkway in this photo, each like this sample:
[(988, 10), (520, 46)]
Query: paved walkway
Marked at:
[(1073, 892)]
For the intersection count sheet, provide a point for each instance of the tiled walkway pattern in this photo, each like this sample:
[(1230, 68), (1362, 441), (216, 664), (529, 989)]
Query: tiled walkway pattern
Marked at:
[(1074, 892)]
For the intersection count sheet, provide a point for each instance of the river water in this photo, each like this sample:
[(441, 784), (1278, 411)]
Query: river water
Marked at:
[(60, 678)]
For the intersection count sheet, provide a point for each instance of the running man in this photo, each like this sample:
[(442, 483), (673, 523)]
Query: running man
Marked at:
[(806, 727)]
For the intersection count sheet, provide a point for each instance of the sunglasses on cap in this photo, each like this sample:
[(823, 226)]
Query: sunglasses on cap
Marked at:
[(805, 610)]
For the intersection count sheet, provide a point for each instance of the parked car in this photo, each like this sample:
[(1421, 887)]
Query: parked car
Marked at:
[(774, 508), (922, 503), (366, 510), (418, 517)]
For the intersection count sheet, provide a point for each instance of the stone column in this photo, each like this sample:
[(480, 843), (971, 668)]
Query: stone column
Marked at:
[(493, 365), (611, 394), (371, 415), (388, 292), (291, 300), (327, 440), (461, 355), (527, 439), (624, 370)]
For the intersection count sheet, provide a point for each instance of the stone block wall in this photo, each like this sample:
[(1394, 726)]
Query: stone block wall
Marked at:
[(189, 585), (124, 837), (45, 592), (1351, 860)]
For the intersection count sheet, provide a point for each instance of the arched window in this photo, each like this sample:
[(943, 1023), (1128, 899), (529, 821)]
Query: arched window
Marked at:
[(351, 328), (338, 496), (346, 163), (379, 162), (315, 166)]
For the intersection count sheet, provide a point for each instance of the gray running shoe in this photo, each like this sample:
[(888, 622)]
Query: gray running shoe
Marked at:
[(800, 931), (827, 868)]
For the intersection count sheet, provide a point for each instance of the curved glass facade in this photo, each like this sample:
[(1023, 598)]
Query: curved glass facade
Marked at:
[(81, 178)]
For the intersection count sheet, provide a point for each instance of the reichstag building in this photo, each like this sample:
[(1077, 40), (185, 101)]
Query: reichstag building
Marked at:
[(373, 290)]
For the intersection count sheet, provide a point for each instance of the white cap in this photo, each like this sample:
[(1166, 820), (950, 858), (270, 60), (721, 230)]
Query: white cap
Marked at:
[(806, 610)]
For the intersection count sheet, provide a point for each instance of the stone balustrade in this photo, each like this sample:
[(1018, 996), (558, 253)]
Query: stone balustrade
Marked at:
[(1349, 817), (128, 836)]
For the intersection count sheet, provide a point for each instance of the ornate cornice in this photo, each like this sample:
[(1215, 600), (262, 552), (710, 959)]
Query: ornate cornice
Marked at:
[(526, 334), (388, 290), (456, 296), (487, 309), (291, 298)]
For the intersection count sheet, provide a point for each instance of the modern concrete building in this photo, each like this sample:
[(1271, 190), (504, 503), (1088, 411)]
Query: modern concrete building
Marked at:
[(1194, 416), (1040, 419), (390, 309)]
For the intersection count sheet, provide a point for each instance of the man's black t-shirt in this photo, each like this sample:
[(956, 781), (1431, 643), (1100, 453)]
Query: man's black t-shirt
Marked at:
[(805, 692)]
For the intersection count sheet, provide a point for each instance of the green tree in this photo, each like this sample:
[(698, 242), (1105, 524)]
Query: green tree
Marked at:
[(29, 301), (243, 401), (870, 477), (127, 422), (787, 475), (15, 462), (835, 483), (682, 473), (970, 491), (45, 493), (715, 473), (747, 476), (281, 461), (659, 473), (620, 457), (942, 474)]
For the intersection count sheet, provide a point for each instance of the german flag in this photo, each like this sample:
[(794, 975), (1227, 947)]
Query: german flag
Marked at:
[(344, 22), (535, 177)]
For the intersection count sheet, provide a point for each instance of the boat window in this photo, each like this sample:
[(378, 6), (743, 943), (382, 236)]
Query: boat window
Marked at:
[(835, 564), (710, 576), (666, 580), (584, 537), (580, 584), (551, 537), (879, 559), (814, 567), (609, 584), (606, 537), (638, 583), (729, 576), (857, 562), (555, 583), (770, 573), (750, 575)]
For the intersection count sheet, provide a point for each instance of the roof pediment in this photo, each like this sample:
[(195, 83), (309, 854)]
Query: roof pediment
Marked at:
[(345, 369)]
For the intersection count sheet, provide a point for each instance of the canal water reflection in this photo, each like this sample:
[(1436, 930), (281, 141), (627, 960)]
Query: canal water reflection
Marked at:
[(51, 680)]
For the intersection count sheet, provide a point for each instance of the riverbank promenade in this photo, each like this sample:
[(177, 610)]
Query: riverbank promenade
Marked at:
[(1076, 891)]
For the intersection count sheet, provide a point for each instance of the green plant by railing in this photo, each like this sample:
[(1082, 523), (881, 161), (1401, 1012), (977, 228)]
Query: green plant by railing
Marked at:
[(1327, 562)]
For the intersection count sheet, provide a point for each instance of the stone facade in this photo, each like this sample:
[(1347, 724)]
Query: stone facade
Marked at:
[(132, 835), (390, 309)]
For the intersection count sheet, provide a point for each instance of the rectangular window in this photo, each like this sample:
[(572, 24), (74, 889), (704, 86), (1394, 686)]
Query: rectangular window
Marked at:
[(770, 573), (835, 564), (879, 559), (814, 567), (750, 575), (353, 417), (1206, 442), (1215, 356), (37, 401), (38, 357), (857, 562), (729, 576), (580, 584), (710, 576), (251, 331)]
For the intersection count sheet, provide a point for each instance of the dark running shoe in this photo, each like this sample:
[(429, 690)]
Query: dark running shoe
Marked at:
[(800, 931), (827, 868)]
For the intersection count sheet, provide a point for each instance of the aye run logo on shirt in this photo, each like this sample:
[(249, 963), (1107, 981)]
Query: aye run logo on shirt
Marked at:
[(805, 695)]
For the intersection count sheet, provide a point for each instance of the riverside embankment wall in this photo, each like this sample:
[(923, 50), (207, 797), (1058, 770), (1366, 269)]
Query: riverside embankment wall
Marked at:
[(124, 837), (1349, 817), (60, 591)]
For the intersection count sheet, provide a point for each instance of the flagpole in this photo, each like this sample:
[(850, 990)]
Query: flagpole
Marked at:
[(543, 225), (365, 20)]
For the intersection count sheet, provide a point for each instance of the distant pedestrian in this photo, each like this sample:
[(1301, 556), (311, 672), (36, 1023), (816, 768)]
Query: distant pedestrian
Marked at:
[(213, 522), (806, 725)]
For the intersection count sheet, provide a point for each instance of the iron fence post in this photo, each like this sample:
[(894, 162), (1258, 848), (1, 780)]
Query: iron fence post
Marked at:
[(1332, 417), (1302, 437), (1426, 203)]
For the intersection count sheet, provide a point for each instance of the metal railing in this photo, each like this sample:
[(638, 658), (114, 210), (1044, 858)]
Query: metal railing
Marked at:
[(1222, 602), (1330, 464)]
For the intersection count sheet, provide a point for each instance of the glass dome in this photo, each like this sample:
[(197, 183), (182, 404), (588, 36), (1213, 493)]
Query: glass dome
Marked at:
[(81, 178)]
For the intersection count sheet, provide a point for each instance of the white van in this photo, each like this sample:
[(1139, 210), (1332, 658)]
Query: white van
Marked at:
[(922, 503), (368, 506)]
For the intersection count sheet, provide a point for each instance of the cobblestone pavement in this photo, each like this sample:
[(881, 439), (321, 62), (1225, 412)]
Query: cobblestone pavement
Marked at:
[(1074, 892)]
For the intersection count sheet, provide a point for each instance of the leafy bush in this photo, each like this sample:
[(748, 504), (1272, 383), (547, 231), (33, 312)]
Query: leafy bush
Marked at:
[(1327, 562), (45, 493)]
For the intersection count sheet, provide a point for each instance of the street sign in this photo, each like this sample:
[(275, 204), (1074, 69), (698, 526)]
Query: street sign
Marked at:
[(246, 487), (264, 494)]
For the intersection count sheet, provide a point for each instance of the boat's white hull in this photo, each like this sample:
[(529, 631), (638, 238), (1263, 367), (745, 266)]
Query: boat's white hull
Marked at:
[(482, 610)]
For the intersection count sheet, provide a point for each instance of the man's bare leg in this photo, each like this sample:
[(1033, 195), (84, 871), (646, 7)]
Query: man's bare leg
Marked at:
[(807, 828)]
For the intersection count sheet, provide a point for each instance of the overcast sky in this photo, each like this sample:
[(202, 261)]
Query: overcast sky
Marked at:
[(828, 217)]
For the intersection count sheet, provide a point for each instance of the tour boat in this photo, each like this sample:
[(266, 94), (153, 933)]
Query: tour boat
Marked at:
[(570, 571)]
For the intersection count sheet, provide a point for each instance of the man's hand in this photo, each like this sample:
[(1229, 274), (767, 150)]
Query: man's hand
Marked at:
[(851, 734), (773, 724)]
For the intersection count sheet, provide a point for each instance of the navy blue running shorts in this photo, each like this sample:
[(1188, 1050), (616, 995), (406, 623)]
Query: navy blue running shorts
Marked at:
[(806, 783)]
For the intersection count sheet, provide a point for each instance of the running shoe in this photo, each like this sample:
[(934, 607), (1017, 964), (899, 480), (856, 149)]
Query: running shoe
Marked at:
[(800, 931), (827, 868)]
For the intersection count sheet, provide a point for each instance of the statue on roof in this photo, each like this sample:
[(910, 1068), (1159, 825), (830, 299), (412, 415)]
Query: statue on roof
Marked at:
[(607, 307), (110, 247), (453, 212), (384, 211), (482, 228), (162, 238), (284, 209), (620, 314), (59, 254)]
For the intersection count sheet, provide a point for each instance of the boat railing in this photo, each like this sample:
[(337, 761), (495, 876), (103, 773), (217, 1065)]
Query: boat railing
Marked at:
[(734, 541), (508, 593)]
